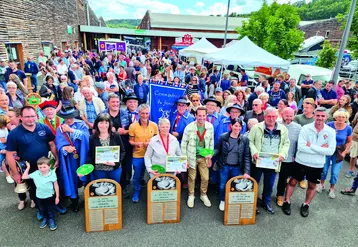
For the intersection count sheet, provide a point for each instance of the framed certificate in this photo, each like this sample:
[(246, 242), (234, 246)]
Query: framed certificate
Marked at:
[(268, 161), (176, 163), (107, 154)]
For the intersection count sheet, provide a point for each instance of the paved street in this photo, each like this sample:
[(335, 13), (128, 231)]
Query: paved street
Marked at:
[(330, 223)]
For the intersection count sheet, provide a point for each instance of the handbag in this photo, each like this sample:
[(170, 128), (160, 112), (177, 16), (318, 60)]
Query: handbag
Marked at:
[(339, 150)]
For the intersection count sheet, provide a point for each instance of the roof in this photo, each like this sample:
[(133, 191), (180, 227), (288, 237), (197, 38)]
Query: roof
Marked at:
[(197, 22)]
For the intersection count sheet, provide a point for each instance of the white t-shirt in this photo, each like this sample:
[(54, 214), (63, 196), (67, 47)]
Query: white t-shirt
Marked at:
[(4, 133)]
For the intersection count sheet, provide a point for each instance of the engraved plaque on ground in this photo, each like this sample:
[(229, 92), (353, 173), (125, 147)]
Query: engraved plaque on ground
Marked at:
[(240, 201), (163, 199), (103, 205)]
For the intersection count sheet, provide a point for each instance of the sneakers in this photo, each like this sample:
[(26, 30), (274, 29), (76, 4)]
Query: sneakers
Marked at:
[(135, 197), (39, 216), (205, 200), (320, 188), (349, 191), (268, 208), (52, 224), (21, 205), (279, 201), (222, 205), (303, 184), (349, 174), (331, 194), (60, 209), (286, 208), (304, 210), (9, 180), (190, 201), (33, 204), (43, 223)]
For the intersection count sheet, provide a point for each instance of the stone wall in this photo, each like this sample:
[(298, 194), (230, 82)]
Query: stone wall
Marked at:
[(32, 22)]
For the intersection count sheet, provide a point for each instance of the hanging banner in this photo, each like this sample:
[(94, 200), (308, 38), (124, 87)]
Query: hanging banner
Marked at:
[(162, 100)]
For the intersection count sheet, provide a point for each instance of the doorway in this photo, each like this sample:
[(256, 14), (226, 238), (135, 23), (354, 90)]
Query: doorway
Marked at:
[(15, 52)]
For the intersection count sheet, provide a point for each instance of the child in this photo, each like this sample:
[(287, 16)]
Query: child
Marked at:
[(46, 186), (3, 136)]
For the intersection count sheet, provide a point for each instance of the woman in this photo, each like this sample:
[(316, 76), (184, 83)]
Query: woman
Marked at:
[(195, 102), (19, 84), (194, 87), (226, 94), (104, 136), (49, 90), (344, 142), (343, 103), (339, 89), (241, 98), (67, 99), (160, 146), (62, 68), (282, 104), (122, 74), (264, 97), (292, 101), (16, 100), (231, 99), (51, 72), (176, 81), (234, 157)]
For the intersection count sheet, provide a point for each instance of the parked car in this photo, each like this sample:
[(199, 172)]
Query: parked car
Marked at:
[(350, 69)]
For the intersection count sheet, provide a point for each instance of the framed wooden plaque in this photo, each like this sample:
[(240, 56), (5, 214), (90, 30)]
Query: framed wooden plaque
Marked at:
[(240, 201), (103, 206), (163, 199)]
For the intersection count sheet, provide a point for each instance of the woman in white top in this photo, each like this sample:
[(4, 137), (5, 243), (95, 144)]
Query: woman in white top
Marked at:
[(160, 146), (62, 68)]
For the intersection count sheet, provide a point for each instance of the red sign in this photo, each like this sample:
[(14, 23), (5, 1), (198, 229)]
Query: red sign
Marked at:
[(186, 40)]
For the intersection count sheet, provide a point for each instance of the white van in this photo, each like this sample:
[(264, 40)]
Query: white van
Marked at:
[(299, 72)]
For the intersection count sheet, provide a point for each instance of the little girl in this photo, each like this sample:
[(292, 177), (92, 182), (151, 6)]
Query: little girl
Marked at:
[(3, 136)]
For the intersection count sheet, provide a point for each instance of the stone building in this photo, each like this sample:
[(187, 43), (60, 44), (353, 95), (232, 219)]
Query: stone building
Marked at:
[(28, 26)]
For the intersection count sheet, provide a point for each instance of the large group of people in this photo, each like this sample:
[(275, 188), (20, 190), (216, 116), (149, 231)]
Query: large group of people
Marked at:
[(310, 129)]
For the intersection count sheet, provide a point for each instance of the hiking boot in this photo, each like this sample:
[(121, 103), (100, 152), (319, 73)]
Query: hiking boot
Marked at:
[(279, 201), (190, 201), (205, 200), (286, 208), (304, 210)]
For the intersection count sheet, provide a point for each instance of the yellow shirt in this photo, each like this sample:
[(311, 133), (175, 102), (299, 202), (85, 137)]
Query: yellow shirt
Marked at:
[(142, 134)]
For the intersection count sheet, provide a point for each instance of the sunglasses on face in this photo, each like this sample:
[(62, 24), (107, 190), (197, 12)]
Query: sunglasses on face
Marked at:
[(195, 100)]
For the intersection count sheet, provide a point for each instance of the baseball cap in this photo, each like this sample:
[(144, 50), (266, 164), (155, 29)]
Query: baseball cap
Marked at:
[(218, 89), (99, 85)]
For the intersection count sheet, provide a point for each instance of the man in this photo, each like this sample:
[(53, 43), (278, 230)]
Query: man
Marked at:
[(329, 96), (213, 116), (235, 111), (42, 58), (31, 67), (276, 94), (143, 69), (90, 107), (13, 70), (214, 79), (253, 96), (219, 95), (131, 72), (293, 131), (316, 141), (244, 78), (52, 121), (179, 73), (293, 88), (180, 118), (234, 85), (20, 142), (354, 106), (102, 93), (141, 90), (307, 116), (4, 104), (111, 85), (190, 75), (314, 92), (268, 137), (256, 112), (140, 134), (2, 73), (72, 74), (306, 85), (198, 135)]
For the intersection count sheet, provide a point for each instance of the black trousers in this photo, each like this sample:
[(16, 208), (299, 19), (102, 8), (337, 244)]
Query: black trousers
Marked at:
[(46, 207), (285, 172), (127, 169)]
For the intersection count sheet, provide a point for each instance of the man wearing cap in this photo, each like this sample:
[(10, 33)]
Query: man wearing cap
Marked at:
[(329, 96), (141, 90), (48, 107), (2, 73), (72, 141), (306, 85), (235, 111), (102, 93), (180, 118), (12, 69), (316, 141), (276, 94), (31, 67), (256, 112), (219, 95), (90, 107), (268, 137)]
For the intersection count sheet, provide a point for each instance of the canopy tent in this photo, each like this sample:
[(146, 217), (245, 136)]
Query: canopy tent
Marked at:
[(198, 49), (246, 53)]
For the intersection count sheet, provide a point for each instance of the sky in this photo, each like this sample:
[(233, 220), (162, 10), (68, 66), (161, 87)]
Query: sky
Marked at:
[(135, 9)]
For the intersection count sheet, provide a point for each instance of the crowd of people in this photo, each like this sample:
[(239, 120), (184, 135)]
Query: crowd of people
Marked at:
[(312, 129)]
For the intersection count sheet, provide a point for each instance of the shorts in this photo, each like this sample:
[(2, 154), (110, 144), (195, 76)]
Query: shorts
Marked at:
[(354, 150), (312, 174)]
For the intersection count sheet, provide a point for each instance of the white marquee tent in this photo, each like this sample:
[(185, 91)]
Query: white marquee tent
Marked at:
[(246, 53), (198, 49)]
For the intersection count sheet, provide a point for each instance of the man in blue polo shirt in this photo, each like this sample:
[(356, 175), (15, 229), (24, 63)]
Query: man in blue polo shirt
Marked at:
[(306, 85), (329, 96), (13, 70), (276, 94), (244, 78), (29, 141), (31, 67)]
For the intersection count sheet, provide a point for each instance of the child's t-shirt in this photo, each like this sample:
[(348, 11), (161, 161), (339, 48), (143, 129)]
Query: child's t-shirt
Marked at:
[(44, 184), (4, 133)]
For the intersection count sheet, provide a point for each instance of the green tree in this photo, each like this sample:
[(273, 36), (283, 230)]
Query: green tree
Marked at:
[(321, 9), (327, 57), (274, 28), (353, 38)]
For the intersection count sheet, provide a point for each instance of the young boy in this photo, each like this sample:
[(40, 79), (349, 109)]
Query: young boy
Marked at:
[(46, 186)]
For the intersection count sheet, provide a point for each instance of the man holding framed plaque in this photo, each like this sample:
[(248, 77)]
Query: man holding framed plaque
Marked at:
[(268, 139)]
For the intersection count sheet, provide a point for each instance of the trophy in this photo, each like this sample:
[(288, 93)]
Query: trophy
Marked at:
[(21, 167)]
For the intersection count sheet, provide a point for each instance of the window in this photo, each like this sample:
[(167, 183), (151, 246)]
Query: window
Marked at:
[(326, 35)]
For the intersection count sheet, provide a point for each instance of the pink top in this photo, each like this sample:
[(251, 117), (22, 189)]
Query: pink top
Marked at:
[(340, 91)]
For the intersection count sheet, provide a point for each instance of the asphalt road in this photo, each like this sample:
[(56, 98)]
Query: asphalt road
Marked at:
[(332, 222)]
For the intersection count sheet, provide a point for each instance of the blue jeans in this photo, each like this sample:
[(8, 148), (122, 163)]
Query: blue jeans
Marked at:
[(225, 174), (34, 83), (115, 174), (139, 167), (336, 167), (269, 181)]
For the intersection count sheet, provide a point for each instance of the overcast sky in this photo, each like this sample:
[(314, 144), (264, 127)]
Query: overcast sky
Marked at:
[(135, 9)]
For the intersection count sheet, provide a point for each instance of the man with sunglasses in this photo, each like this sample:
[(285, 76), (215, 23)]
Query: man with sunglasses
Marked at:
[(256, 112)]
